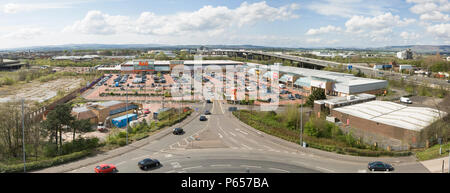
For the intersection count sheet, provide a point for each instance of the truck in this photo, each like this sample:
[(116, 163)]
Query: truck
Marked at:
[(405, 100)]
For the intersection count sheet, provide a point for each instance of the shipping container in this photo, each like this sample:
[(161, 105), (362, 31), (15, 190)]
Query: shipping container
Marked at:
[(122, 120)]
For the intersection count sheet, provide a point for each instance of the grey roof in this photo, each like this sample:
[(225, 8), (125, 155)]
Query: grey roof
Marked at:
[(110, 103)]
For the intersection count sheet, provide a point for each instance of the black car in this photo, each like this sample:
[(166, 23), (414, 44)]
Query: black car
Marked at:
[(178, 131), (291, 97), (379, 166), (208, 101), (298, 96), (203, 118), (207, 112), (148, 163)]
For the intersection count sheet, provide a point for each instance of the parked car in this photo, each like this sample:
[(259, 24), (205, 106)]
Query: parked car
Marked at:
[(208, 101), (146, 111), (379, 166), (178, 131), (291, 97), (405, 100), (207, 112), (298, 96), (203, 118), (148, 163), (106, 168)]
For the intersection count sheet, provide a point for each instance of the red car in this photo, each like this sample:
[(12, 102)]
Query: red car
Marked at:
[(105, 168), (146, 111)]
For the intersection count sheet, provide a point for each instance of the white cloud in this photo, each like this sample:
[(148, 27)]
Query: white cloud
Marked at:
[(435, 16), (12, 8), (210, 20), (440, 30), (409, 35), (313, 40), (25, 33), (432, 10), (348, 8), (323, 30), (358, 23)]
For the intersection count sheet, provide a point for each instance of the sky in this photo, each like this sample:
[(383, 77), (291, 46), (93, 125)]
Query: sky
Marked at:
[(277, 23)]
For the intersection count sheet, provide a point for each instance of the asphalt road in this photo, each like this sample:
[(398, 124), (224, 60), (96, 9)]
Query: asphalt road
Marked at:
[(224, 144)]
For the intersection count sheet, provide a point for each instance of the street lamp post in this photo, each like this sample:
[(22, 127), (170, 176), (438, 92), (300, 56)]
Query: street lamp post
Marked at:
[(301, 120), (23, 140), (126, 111)]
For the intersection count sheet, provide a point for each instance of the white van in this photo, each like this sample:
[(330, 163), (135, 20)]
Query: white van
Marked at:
[(405, 100), (282, 86)]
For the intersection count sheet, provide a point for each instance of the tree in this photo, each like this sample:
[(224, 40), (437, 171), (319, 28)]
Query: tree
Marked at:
[(317, 94), (58, 119), (80, 125)]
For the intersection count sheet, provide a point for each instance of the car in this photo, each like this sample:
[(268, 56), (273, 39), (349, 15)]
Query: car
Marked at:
[(208, 101), (379, 166), (291, 97), (203, 118), (146, 111), (283, 92), (148, 163), (405, 100), (178, 131), (207, 112), (298, 96), (105, 168)]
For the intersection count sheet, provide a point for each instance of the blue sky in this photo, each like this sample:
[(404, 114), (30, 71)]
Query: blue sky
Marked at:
[(331, 23)]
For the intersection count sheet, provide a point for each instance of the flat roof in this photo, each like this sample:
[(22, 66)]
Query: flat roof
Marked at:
[(343, 100), (390, 113)]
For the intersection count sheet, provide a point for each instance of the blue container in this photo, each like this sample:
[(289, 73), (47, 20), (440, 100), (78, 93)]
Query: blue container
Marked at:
[(117, 84), (122, 121)]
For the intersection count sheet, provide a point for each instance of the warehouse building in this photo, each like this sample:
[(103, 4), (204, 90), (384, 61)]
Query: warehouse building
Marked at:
[(99, 112), (333, 83), (388, 119), (165, 66)]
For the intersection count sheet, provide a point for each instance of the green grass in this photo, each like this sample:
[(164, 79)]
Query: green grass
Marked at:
[(433, 152)]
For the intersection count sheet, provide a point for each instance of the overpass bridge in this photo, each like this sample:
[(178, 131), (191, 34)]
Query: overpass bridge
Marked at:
[(303, 62)]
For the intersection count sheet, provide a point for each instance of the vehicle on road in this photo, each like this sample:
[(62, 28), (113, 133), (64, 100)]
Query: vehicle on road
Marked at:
[(379, 166), (146, 111), (148, 163), (207, 112), (282, 86), (203, 118), (178, 131), (208, 101), (101, 127), (405, 100), (106, 168)]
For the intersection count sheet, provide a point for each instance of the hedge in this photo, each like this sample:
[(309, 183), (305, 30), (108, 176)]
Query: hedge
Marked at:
[(17, 168)]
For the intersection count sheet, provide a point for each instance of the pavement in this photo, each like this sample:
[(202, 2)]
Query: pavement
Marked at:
[(435, 165), (224, 144)]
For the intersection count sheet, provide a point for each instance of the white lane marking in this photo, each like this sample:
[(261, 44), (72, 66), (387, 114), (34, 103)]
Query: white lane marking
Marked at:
[(279, 170), (171, 171), (321, 168), (186, 140), (258, 132), (192, 167), (247, 166), (175, 165), (168, 155), (362, 171), (247, 147), (221, 165), (140, 157), (222, 129), (220, 135), (234, 148), (220, 104), (182, 171), (243, 132), (120, 163), (285, 151), (269, 148), (178, 143), (232, 134)]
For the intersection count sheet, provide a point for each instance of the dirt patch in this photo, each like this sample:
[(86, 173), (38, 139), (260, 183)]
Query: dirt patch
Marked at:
[(40, 92)]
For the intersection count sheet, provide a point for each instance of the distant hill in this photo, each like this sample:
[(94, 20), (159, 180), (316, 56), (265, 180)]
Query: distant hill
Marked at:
[(443, 49)]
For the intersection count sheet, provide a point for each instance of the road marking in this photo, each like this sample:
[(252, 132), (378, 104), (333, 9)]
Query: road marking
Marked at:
[(120, 163), (175, 165), (247, 166), (192, 167), (362, 171), (168, 155), (140, 157), (321, 168), (186, 140), (220, 135), (221, 165), (171, 171), (232, 134), (269, 148), (178, 143), (245, 133), (246, 146), (279, 170)]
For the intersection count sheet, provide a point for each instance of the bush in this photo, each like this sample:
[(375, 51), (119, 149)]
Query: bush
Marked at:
[(44, 163)]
